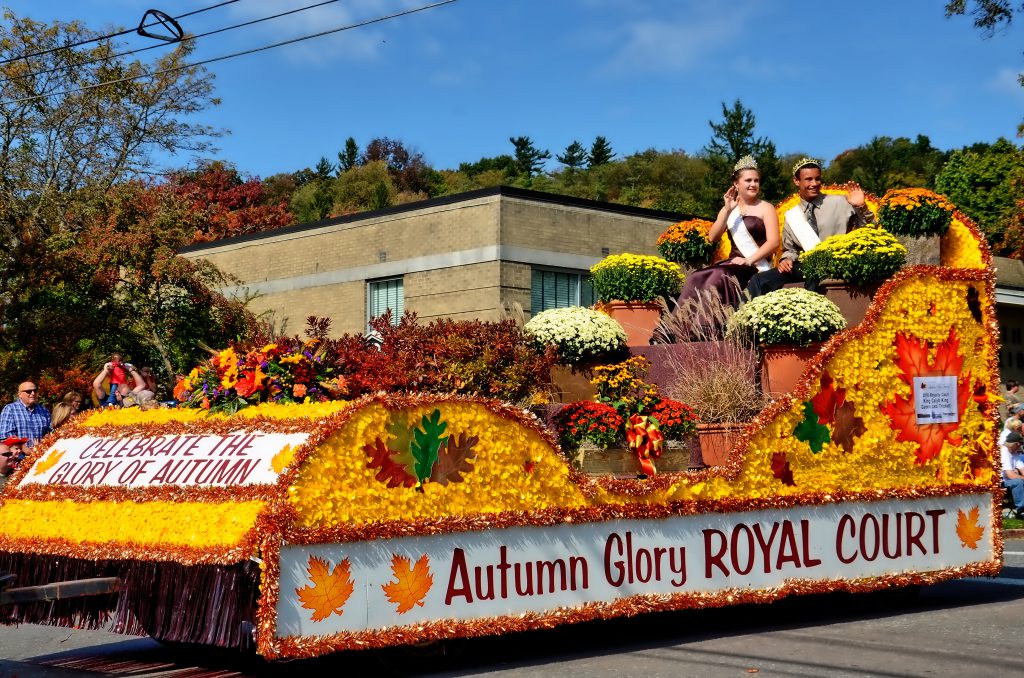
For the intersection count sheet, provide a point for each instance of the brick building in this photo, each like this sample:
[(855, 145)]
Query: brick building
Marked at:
[(472, 255), (464, 256)]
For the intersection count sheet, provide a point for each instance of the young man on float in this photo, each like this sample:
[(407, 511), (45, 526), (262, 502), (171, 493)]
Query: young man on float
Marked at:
[(817, 217)]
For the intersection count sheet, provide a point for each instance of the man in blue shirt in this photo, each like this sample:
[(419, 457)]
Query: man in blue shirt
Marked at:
[(25, 418)]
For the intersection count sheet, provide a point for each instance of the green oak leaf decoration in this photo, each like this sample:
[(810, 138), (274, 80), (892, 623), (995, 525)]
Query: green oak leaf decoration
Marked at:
[(810, 431), (428, 438)]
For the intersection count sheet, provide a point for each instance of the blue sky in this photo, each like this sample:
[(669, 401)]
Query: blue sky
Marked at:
[(455, 82)]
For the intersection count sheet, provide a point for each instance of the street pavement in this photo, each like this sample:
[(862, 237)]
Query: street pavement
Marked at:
[(963, 629)]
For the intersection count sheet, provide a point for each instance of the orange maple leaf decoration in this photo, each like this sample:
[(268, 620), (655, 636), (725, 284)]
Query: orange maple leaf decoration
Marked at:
[(282, 458), (411, 583), (329, 591), (968, 529), (44, 465), (912, 359)]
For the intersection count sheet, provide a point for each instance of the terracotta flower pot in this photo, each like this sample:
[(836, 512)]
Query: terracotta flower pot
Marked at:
[(638, 318), (853, 300), (782, 366), (569, 384), (717, 440)]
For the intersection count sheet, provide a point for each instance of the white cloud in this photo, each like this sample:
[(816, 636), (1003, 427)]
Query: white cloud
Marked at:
[(675, 44), (358, 44), (1006, 81)]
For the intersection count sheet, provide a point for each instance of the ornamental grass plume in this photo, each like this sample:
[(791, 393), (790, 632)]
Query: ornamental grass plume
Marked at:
[(718, 381), (860, 257), (791, 315)]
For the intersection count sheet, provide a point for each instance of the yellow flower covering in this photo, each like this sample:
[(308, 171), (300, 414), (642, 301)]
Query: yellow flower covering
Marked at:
[(961, 248), (515, 469), (113, 416), (157, 523)]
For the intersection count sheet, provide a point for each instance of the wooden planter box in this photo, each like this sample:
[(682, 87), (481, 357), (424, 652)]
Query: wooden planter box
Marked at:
[(853, 300), (639, 319), (782, 366), (569, 384), (679, 455)]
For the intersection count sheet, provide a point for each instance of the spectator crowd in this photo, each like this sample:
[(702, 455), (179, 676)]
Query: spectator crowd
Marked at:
[(25, 421)]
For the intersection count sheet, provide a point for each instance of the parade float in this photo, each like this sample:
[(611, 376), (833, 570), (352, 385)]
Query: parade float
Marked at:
[(394, 519)]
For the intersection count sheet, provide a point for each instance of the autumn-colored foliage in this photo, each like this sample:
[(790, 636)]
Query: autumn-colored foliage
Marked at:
[(912, 359), (968, 529), (411, 584), (490, 359), (329, 590), (226, 203)]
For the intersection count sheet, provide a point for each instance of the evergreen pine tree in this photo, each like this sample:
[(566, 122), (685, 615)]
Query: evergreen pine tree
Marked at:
[(601, 152), (529, 159), (348, 158), (574, 156)]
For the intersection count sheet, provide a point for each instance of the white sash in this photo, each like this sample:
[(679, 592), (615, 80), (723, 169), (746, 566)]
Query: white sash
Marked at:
[(802, 230), (741, 238)]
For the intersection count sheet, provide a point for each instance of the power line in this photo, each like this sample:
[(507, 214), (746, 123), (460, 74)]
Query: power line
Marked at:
[(187, 38), (112, 35), (233, 55)]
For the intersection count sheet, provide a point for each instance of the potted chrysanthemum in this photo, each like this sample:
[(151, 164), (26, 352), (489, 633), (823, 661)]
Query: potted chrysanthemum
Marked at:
[(790, 325), (919, 218), (582, 337), (851, 267), (630, 286), (687, 243)]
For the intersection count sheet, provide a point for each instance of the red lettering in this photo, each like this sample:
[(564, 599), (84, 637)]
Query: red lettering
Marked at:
[(710, 559), (787, 547), (734, 551), (766, 544), (864, 552), (613, 541), (915, 529), (458, 571), (934, 515), (845, 523), (805, 533)]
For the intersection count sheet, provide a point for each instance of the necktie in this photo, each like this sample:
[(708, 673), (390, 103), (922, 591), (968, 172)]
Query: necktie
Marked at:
[(809, 211)]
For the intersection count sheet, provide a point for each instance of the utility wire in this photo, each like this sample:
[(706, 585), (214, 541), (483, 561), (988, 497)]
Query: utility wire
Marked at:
[(151, 74), (113, 35), (187, 38)]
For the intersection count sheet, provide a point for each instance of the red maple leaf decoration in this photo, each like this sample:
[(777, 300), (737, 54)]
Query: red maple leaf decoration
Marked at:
[(781, 469), (828, 400), (912, 359), (388, 471)]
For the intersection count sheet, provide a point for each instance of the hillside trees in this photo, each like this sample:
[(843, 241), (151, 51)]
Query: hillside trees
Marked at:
[(65, 148), (987, 183)]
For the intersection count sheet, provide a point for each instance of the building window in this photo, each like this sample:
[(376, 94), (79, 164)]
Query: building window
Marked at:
[(558, 289), (382, 295)]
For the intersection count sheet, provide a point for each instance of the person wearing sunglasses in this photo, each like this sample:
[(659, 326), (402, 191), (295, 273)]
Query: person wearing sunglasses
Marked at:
[(25, 417), (6, 464)]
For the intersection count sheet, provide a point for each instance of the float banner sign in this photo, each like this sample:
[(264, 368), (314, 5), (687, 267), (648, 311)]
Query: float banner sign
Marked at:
[(331, 588), (238, 458), (935, 400)]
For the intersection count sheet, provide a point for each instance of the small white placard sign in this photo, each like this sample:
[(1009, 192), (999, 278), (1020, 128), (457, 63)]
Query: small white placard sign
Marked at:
[(935, 400)]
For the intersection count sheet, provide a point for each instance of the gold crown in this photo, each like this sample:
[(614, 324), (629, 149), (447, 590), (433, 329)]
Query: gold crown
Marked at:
[(745, 163), (805, 162)]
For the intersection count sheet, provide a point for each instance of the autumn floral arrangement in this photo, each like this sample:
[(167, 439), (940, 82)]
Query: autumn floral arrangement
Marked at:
[(686, 242), (788, 316), (915, 212), (587, 421), (635, 278), (285, 371), (580, 335), (860, 257)]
